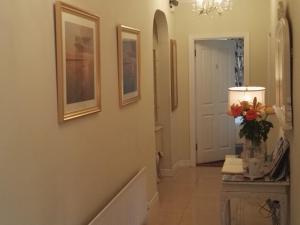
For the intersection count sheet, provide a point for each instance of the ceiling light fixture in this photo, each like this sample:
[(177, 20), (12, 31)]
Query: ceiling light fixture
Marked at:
[(209, 7), (173, 3)]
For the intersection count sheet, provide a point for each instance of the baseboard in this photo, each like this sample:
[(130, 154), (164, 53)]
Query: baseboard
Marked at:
[(182, 163), (166, 172), (153, 210), (153, 202)]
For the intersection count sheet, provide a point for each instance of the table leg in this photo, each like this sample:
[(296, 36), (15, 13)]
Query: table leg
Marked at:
[(284, 218), (225, 210)]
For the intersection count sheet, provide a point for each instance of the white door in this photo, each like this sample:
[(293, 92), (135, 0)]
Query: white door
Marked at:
[(214, 74)]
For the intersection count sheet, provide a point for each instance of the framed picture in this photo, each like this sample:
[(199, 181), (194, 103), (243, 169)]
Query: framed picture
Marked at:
[(78, 62), (174, 85), (129, 60)]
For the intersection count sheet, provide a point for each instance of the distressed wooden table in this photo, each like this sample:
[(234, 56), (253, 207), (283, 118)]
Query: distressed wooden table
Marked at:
[(246, 190)]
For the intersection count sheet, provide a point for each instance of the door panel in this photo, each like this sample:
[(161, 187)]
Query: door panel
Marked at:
[(223, 132), (207, 123), (207, 82), (214, 75)]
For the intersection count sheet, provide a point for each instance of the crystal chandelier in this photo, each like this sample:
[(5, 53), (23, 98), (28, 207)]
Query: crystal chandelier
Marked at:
[(209, 7)]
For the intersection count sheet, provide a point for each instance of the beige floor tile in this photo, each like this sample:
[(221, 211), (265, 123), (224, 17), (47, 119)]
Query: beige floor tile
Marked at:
[(208, 218), (188, 219), (169, 219), (174, 206), (190, 197), (186, 176)]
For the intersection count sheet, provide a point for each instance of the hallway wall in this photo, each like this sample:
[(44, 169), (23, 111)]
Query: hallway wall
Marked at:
[(247, 16), (293, 7), (293, 12), (54, 174)]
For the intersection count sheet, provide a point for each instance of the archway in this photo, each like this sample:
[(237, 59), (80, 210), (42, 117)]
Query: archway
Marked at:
[(162, 85)]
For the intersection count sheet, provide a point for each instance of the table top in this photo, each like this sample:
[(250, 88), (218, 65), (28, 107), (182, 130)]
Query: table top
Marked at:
[(242, 180)]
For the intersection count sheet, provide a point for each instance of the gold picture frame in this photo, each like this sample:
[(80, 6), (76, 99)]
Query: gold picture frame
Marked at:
[(174, 81), (129, 65), (78, 62)]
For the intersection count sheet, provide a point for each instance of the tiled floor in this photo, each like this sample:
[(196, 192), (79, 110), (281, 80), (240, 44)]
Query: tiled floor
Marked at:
[(191, 197)]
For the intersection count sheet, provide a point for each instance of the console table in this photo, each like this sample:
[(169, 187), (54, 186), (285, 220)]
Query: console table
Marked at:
[(246, 190)]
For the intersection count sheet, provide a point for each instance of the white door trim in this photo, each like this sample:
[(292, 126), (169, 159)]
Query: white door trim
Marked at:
[(192, 40)]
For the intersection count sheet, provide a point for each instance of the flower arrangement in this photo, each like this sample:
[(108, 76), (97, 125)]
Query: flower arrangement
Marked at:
[(255, 126)]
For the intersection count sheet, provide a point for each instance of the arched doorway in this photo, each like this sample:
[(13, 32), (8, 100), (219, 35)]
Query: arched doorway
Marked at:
[(162, 85)]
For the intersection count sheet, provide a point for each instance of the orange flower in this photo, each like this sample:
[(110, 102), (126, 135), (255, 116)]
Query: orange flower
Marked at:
[(259, 107), (245, 105), (235, 110), (251, 115)]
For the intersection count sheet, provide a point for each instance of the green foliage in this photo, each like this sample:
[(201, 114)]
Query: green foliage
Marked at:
[(255, 130)]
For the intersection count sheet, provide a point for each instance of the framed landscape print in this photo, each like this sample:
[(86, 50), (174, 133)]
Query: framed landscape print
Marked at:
[(129, 63), (78, 62), (174, 85)]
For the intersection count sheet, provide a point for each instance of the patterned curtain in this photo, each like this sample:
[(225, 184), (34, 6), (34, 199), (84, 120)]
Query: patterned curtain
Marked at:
[(239, 62)]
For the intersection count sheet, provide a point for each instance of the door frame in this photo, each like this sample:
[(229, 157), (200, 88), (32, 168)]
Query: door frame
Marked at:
[(192, 77)]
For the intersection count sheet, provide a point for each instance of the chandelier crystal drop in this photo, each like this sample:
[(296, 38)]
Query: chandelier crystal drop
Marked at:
[(210, 7)]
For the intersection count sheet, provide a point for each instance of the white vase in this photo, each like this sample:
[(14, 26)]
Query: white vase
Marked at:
[(255, 167), (253, 151)]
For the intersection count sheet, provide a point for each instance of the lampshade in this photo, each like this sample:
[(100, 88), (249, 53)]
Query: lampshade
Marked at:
[(239, 94)]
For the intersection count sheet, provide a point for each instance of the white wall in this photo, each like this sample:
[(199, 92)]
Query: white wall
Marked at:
[(54, 174)]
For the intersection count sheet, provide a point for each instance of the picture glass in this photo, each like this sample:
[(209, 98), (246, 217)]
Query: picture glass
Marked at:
[(79, 63), (129, 66), (79, 54)]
